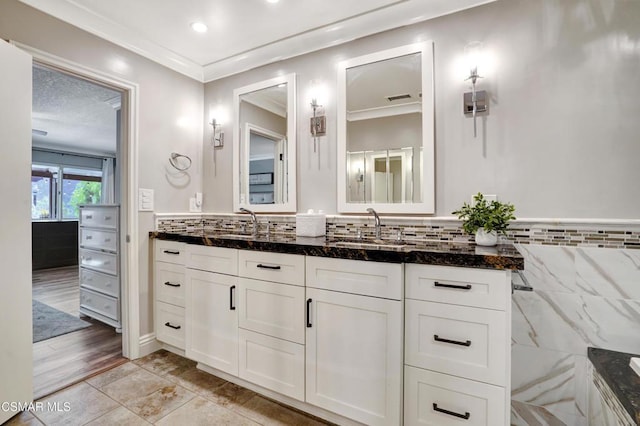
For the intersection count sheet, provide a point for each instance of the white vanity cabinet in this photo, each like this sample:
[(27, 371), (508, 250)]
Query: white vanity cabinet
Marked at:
[(169, 292), (99, 263), (211, 307), (271, 304), (354, 339), (457, 346)]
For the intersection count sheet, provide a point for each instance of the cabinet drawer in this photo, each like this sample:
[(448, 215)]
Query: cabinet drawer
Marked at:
[(212, 259), (441, 400), (99, 261), (272, 363), (273, 309), (170, 283), (99, 217), (103, 283), (375, 279), (278, 267), (100, 303), (482, 288), (97, 239), (458, 340), (170, 251), (170, 324)]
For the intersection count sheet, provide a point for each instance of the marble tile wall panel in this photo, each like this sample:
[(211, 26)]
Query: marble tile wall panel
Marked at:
[(612, 273), (571, 322), (549, 379)]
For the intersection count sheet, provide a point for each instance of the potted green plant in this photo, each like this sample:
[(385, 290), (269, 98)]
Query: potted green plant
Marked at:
[(485, 219)]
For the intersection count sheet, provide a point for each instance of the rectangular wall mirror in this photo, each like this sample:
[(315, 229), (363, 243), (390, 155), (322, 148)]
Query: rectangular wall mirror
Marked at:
[(386, 131), (264, 146)]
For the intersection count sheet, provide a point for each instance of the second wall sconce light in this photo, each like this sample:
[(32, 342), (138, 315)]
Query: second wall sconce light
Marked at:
[(217, 136), (318, 122), (475, 101)]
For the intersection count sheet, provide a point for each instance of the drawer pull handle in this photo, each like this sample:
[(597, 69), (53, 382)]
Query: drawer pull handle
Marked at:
[(231, 305), (309, 325), (89, 216), (175, 327), (88, 237), (465, 416), (107, 218), (171, 252), (170, 284), (107, 240), (274, 267), (459, 287), (453, 342)]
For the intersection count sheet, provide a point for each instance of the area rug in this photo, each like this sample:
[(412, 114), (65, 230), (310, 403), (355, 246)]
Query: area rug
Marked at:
[(49, 322)]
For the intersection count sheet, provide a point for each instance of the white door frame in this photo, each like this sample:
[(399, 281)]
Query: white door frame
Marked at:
[(129, 184)]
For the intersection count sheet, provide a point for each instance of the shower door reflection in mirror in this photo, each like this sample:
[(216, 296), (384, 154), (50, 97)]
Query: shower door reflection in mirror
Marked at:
[(385, 127)]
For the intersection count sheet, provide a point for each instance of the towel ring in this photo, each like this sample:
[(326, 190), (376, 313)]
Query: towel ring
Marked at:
[(173, 160)]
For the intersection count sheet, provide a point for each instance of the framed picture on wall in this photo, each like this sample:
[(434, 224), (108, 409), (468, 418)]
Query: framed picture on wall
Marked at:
[(261, 179)]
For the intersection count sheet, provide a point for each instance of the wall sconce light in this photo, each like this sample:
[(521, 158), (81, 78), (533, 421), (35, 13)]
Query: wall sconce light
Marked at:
[(475, 101), (217, 136), (318, 123)]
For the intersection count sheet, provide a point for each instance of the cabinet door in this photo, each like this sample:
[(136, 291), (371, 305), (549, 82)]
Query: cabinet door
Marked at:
[(212, 320), (354, 356)]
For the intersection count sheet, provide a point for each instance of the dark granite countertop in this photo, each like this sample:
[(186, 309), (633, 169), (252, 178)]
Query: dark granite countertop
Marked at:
[(427, 252), (623, 381)]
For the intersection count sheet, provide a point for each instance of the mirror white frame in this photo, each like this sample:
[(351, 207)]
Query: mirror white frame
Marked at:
[(427, 206), (241, 157)]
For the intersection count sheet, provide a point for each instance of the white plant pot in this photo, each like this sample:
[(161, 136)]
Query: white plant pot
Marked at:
[(484, 238)]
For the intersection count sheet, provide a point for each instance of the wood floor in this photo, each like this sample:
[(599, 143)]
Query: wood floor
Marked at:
[(70, 358)]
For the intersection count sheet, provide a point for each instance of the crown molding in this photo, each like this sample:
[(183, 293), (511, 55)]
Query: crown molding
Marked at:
[(399, 14)]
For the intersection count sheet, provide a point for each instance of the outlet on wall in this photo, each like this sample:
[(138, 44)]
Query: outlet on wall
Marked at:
[(193, 205)]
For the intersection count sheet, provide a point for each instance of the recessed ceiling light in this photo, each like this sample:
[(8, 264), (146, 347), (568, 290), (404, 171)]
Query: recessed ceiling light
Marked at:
[(273, 1), (199, 27)]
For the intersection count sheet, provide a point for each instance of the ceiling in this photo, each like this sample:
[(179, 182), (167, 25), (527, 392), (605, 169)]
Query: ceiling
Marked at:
[(242, 34), (77, 115)]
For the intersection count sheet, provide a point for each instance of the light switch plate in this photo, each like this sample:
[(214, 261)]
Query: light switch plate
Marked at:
[(145, 200)]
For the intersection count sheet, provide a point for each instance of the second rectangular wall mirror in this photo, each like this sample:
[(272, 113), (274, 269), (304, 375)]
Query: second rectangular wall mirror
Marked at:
[(386, 131), (264, 146)]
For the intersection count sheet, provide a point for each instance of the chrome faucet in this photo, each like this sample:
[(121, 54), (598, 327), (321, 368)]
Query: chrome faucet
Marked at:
[(377, 219), (254, 220)]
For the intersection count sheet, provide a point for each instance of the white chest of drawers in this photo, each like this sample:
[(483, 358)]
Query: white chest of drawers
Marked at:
[(99, 263)]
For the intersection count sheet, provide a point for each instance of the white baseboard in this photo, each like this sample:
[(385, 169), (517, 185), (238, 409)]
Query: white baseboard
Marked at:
[(148, 344)]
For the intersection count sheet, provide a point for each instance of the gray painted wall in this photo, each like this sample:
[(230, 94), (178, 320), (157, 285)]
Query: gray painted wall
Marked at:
[(561, 136), (170, 112)]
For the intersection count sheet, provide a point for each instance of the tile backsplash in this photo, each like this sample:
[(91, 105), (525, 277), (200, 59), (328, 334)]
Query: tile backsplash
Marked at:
[(582, 233)]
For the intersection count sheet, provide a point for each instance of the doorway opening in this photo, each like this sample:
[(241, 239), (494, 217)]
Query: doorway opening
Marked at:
[(77, 145)]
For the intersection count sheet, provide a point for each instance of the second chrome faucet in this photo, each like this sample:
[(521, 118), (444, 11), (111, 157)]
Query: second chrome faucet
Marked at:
[(254, 219), (377, 222)]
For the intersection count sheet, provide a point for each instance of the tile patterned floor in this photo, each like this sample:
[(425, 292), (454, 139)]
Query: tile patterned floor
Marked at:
[(161, 389)]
